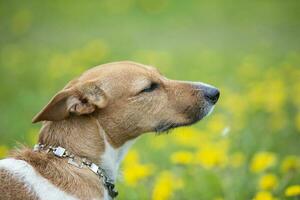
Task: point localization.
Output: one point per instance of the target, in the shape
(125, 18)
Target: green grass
(249, 49)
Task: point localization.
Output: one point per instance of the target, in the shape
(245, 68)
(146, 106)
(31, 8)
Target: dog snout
(210, 93)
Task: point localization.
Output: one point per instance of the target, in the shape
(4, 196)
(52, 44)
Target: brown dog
(89, 125)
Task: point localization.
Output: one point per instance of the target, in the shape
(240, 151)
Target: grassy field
(249, 148)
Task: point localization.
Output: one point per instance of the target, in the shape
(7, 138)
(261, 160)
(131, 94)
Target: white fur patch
(111, 158)
(33, 181)
(210, 110)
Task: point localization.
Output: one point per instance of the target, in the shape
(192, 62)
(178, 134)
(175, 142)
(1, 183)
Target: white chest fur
(112, 158)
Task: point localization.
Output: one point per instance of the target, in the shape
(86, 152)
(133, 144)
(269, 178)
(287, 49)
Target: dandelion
(264, 195)
(165, 185)
(190, 137)
(182, 157)
(269, 94)
(276, 96)
(268, 182)
(212, 155)
(290, 163)
(262, 161)
(133, 170)
(293, 190)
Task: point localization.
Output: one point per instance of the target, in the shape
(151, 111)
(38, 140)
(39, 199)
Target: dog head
(129, 99)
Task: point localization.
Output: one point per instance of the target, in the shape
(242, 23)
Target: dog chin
(210, 110)
(166, 126)
(202, 112)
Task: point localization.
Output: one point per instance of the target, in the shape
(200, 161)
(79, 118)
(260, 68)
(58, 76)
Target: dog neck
(112, 157)
(85, 137)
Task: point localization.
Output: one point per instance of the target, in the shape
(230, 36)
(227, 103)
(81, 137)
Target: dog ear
(80, 100)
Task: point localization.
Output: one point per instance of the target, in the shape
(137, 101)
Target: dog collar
(80, 163)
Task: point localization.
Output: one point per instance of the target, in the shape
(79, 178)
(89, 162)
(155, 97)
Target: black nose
(211, 94)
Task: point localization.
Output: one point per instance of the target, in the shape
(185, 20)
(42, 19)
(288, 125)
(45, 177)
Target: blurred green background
(247, 149)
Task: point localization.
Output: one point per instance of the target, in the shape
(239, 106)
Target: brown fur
(13, 188)
(81, 136)
(107, 102)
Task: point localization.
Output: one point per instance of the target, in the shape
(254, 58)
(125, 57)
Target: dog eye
(150, 88)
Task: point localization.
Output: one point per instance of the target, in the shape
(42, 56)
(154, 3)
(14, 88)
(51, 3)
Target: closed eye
(150, 88)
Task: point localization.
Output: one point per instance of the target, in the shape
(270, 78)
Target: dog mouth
(166, 126)
(193, 117)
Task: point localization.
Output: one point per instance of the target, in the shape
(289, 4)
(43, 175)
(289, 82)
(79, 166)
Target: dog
(89, 125)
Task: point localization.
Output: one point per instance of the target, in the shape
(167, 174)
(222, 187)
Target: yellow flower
(293, 190)
(3, 151)
(190, 137)
(269, 94)
(131, 157)
(262, 161)
(182, 157)
(165, 185)
(237, 159)
(212, 155)
(276, 95)
(133, 170)
(268, 182)
(263, 195)
(290, 163)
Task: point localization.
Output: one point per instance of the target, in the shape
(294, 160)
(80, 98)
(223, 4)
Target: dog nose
(211, 94)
